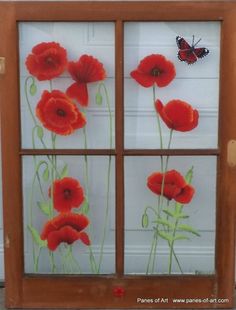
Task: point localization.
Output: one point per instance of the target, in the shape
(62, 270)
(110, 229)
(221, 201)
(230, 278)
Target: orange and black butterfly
(189, 53)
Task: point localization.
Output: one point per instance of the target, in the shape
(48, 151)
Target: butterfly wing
(201, 52)
(182, 44)
(185, 52)
(188, 56)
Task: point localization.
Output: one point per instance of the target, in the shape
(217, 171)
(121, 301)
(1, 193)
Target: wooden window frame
(24, 290)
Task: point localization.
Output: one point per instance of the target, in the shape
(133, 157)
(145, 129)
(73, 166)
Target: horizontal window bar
(172, 152)
(127, 152)
(101, 152)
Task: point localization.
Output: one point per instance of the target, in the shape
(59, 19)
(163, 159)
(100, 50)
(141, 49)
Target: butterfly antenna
(193, 40)
(197, 42)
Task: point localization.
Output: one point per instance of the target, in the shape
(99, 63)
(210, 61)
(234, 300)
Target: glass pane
(68, 227)
(154, 72)
(174, 232)
(67, 84)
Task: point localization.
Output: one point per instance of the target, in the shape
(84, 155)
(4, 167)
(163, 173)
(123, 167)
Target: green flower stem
(32, 115)
(35, 257)
(151, 253)
(165, 169)
(93, 264)
(27, 97)
(158, 125)
(63, 259)
(151, 208)
(73, 260)
(29, 106)
(37, 260)
(108, 176)
(86, 164)
(161, 197)
(172, 247)
(35, 164)
(52, 262)
(31, 219)
(53, 177)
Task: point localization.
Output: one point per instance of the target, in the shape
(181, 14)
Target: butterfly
(189, 53)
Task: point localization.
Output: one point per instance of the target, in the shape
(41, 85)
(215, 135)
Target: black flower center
(67, 193)
(61, 113)
(156, 72)
(50, 61)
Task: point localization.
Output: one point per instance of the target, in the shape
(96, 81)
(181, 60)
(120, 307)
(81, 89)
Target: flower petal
(178, 115)
(79, 92)
(58, 113)
(154, 68)
(47, 61)
(78, 221)
(143, 79)
(185, 195)
(67, 194)
(160, 109)
(65, 234)
(84, 238)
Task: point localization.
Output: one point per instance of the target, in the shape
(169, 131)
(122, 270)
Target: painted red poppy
(58, 113)
(47, 61)
(154, 69)
(118, 291)
(67, 194)
(86, 70)
(66, 227)
(175, 186)
(178, 115)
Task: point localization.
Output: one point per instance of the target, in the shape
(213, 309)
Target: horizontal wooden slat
(95, 152)
(128, 10)
(73, 292)
(173, 152)
(127, 152)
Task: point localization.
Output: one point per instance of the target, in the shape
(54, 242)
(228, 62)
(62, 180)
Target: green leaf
(180, 237)
(98, 98)
(189, 176)
(145, 220)
(40, 132)
(165, 236)
(85, 207)
(182, 216)
(44, 207)
(36, 237)
(168, 212)
(64, 171)
(33, 89)
(164, 222)
(188, 229)
(46, 174)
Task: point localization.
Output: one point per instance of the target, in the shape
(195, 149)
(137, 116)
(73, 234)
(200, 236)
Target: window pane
(184, 215)
(58, 227)
(196, 84)
(88, 82)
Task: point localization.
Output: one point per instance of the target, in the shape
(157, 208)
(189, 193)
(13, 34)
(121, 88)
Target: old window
(118, 161)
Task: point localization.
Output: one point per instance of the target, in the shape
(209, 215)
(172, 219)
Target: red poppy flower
(86, 70)
(66, 227)
(175, 186)
(153, 69)
(47, 61)
(58, 113)
(178, 115)
(67, 194)
(118, 291)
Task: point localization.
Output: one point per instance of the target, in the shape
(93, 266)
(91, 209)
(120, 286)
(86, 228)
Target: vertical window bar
(119, 148)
